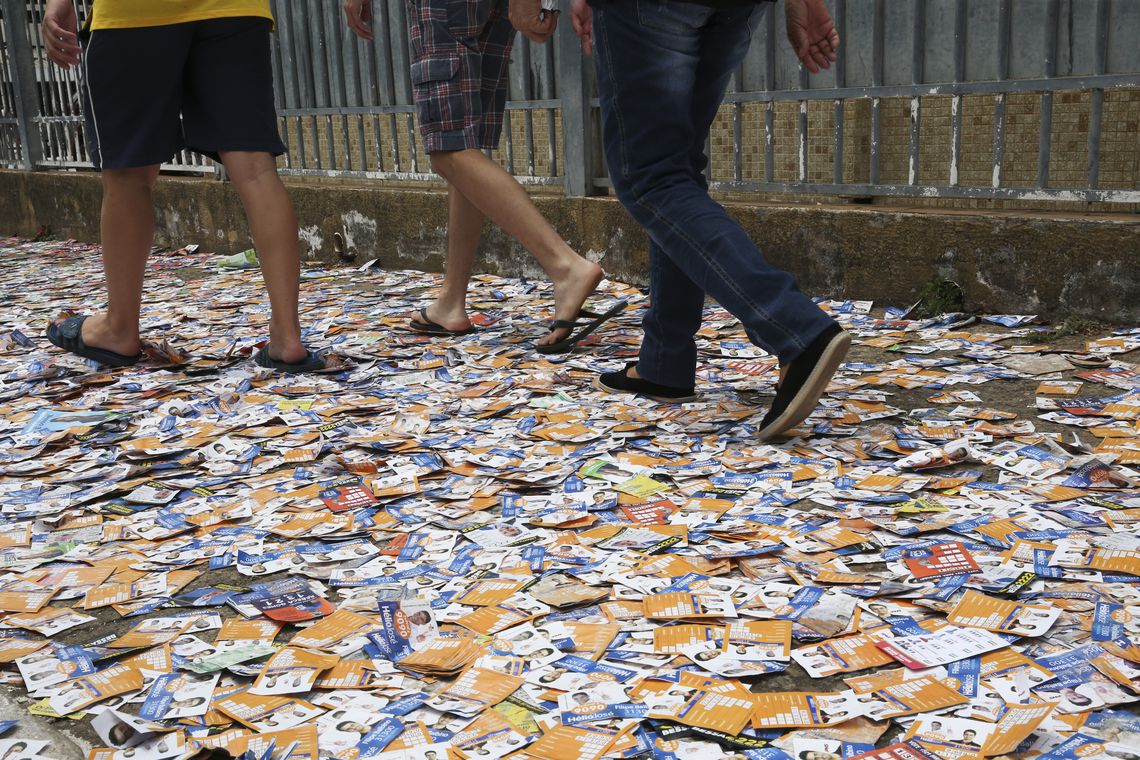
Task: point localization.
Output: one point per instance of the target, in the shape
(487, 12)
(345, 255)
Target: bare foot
(454, 318)
(570, 294)
(98, 334)
(290, 353)
(285, 345)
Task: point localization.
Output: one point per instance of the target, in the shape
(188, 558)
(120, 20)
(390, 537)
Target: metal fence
(998, 99)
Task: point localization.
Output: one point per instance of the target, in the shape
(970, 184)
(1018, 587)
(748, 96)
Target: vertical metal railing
(917, 105)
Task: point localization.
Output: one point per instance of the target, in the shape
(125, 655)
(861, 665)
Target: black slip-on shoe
(807, 379)
(621, 382)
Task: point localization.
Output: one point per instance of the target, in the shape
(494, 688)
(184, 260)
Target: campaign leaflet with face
(405, 626)
(975, 610)
(292, 670)
(938, 732)
(475, 690)
(726, 706)
(177, 695)
(49, 621)
(121, 730)
(82, 692)
(343, 728)
(54, 665)
(490, 736)
(599, 704)
(927, 694)
(714, 658)
(266, 713)
(167, 746)
(573, 672)
(846, 654)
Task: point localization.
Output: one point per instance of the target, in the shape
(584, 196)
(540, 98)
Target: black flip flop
(431, 327)
(311, 363)
(596, 320)
(68, 335)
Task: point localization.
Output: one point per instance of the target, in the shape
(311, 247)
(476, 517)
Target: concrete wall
(1051, 264)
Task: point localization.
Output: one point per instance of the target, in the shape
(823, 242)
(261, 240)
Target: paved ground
(441, 443)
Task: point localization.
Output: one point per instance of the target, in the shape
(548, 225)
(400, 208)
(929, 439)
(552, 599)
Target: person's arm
(529, 17)
(359, 16)
(581, 19)
(61, 33)
(812, 33)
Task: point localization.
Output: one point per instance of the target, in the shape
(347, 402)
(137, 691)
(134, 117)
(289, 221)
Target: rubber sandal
(68, 335)
(596, 320)
(311, 363)
(430, 327)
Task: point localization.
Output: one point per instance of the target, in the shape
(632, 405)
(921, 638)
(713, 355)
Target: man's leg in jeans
(668, 350)
(127, 231)
(273, 226)
(647, 73)
(668, 354)
(499, 196)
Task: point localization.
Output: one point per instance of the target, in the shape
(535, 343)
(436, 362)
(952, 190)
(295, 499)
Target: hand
(581, 16)
(529, 18)
(359, 15)
(812, 33)
(61, 33)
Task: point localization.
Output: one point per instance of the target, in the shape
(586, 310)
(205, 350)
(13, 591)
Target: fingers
(359, 16)
(542, 28)
(580, 21)
(62, 45)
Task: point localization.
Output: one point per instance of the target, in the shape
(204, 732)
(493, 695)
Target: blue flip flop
(311, 363)
(68, 335)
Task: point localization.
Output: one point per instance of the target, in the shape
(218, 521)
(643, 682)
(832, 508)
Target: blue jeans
(663, 68)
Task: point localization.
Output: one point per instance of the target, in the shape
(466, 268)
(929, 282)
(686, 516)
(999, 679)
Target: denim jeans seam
(622, 158)
(711, 263)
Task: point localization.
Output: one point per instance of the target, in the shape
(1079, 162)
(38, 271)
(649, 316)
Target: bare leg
(504, 201)
(464, 227)
(274, 228)
(127, 229)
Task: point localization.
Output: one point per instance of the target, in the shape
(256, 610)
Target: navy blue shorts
(152, 91)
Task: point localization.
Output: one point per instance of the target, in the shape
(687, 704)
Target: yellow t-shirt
(125, 14)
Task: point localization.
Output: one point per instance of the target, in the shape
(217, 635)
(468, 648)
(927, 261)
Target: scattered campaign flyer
(949, 644)
(450, 546)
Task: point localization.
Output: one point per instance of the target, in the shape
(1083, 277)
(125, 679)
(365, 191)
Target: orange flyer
(25, 601)
(237, 629)
(330, 631)
(1015, 727)
(82, 692)
(671, 639)
(486, 593)
(566, 742)
(791, 709)
(729, 712)
(976, 610)
(919, 695)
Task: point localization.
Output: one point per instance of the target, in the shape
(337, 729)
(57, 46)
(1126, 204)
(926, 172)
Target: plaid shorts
(460, 53)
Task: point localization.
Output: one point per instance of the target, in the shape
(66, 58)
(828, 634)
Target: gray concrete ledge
(1056, 265)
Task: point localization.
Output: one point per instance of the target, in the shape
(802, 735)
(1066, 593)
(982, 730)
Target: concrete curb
(1056, 265)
